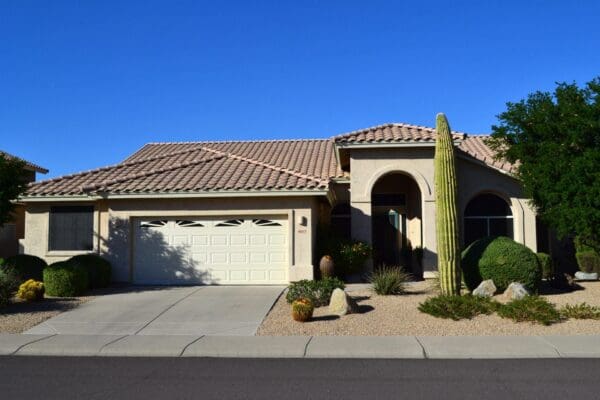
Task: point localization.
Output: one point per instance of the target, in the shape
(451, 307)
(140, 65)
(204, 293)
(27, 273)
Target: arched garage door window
(487, 215)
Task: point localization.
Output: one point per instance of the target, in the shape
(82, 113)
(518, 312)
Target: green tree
(554, 141)
(13, 182)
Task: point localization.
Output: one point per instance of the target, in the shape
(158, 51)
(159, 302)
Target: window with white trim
(487, 215)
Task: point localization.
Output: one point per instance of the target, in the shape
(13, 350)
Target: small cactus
(302, 310)
(31, 290)
(448, 250)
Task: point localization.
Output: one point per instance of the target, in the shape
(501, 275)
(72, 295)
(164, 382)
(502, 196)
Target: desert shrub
(31, 290)
(458, 307)
(98, 269)
(580, 311)
(302, 310)
(9, 282)
(389, 280)
(546, 264)
(352, 256)
(532, 309)
(503, 260)
(318, 292)
(62, 279)
(588, 261)
(26, 266)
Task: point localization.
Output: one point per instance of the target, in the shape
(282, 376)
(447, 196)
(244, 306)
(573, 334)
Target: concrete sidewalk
(387, 347)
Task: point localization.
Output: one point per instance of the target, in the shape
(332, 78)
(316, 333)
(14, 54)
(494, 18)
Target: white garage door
(241, 250)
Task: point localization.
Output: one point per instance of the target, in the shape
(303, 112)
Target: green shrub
(98, 269)
(588, 261)
(503, 260)
(352, 256)
(580, 311)
(318, 292)
(458, 307)
(62, 279)
(26, 267)
(389, 280)
(546, 264)
(530, 308)
(9, 283)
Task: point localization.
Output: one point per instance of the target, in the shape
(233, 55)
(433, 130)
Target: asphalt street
(206, 378)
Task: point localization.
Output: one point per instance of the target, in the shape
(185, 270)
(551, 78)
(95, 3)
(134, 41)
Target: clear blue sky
(85, 83)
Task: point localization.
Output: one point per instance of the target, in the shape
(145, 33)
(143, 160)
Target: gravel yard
(398, 315)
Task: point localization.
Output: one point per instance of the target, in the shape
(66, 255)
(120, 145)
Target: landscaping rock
(586, 276)
(485, 289)
(342, 304)
(515, 291)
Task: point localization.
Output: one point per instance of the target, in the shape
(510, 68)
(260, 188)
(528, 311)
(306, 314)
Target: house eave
(172, 195)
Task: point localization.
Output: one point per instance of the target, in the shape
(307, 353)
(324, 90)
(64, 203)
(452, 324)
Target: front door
(389, 237)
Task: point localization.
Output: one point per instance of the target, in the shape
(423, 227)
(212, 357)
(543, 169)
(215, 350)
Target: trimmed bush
(546, 264)
(26, 266)
(318, 292)
(31, 290)
(9, 282)
(389, 280)
(580, 311)
(503, 260)
(458, 307)
(98, 269)
(62, 279)
(532, 309)
(588, 261)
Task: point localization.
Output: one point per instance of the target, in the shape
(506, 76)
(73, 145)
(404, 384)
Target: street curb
(314, 347)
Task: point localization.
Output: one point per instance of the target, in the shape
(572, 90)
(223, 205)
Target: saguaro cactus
(446, 213)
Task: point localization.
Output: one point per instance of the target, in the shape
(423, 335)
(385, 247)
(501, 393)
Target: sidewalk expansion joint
(422, 348)
(32, 342)
(543, 339)
(189, 344)
(111, 342)
(306, 346)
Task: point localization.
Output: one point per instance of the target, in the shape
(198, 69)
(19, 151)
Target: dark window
(71, 228)
(487, 215)
(340, 220)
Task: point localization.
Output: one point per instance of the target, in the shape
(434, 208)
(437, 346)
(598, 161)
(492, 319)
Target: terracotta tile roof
(207, 166)
(29, 165)
(238, 166)
(390, 133)
(476, 147)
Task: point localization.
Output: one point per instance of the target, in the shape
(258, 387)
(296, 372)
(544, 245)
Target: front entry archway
(396, 221)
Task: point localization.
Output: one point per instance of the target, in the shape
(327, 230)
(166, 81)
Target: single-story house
(248, 212)
(14, 230)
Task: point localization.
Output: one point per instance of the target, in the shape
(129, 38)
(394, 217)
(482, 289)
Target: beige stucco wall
(113, 226)
(367, 166)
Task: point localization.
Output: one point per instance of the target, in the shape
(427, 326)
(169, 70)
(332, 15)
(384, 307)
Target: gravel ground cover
(398, 315)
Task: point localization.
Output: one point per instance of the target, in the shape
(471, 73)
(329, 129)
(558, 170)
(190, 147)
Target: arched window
(487, 215)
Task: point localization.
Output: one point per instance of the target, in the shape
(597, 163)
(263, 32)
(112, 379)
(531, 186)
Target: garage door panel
(211, 250)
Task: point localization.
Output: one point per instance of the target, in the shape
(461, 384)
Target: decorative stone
(586, 276)
(342, 304)
(326, 266)
(485, 289)
(515, 291)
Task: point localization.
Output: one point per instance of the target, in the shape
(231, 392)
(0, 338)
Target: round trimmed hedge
(98, 269)
(62, 279)
(503, 260)
(26, 266)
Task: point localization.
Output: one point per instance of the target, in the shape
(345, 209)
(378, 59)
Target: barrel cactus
(448, 250)
(302, 310)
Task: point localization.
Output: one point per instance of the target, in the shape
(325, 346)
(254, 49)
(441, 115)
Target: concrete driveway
(197, 310)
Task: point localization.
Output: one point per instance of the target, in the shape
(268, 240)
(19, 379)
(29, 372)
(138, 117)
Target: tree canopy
(13, 182)
(554, 141)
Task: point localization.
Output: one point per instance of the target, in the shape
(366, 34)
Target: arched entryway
(396, 220)
(487, 214)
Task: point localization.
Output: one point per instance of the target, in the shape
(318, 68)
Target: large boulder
(485, 289)
(342, 304)
(515, 291)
